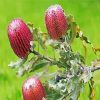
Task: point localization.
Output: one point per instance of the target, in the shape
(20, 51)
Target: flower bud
(32, 89)
(56, 21)
(19, 36)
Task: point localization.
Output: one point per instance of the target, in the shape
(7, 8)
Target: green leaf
(86, 39)
(72, 27)
(18, 63)
(39, 65)
(51, 93)
(38, 38)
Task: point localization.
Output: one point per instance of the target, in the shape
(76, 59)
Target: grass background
(87, 15)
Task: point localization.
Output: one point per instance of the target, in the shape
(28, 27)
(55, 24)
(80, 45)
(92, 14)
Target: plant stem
(42, 56)
(51, 60)
(95, 68)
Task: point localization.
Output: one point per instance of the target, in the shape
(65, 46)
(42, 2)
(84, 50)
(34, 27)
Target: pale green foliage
(69, 80)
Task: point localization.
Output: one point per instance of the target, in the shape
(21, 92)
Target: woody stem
(42, 56)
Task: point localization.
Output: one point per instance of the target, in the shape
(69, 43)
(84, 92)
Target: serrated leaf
(86, 39)
(97, 49)
(86, 75)
(27, 66)
(85, 48)
(96, 62)
(38, 38)
(39, 65)
(52, 94)
(92, 91)
(80, 58)
(74, 31)
(18, 63)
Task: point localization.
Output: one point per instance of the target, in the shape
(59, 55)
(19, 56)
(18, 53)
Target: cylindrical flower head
(56, 21)
(32, 89)
(19, 36)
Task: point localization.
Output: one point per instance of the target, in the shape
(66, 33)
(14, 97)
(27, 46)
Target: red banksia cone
(56, 21)
(33, 90)
(19, 37)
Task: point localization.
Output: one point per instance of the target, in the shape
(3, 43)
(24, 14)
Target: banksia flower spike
(19, 37)
(32, 89)
(56, 21)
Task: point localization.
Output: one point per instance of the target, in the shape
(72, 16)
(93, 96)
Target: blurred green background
(87, 15)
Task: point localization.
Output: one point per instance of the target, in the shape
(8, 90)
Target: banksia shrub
(33, 90)
(56, 21)
(64, 71)
(19, 37)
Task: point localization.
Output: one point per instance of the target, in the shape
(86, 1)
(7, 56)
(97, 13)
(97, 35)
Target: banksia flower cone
(56, 21)
(19, 37)
(32, 89)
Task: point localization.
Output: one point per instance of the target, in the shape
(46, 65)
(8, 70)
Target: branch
(95, 68)
(42, 56)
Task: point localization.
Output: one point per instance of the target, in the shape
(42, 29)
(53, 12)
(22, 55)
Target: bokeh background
(87, 15)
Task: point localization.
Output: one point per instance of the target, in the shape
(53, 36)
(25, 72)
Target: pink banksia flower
(33, 89)
(56, 21)
(19, 36)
